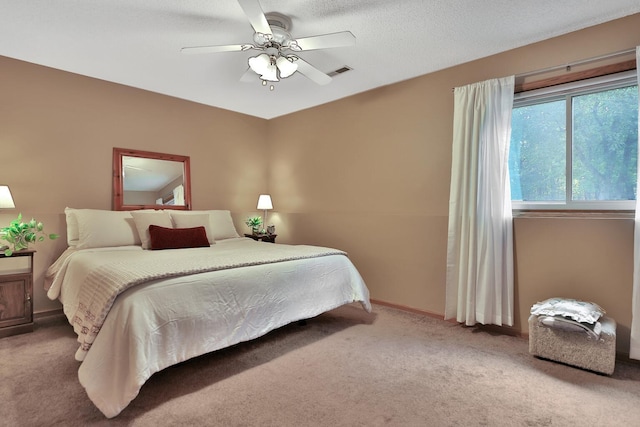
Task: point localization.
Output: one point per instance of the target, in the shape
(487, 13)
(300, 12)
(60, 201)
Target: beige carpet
(344, 368)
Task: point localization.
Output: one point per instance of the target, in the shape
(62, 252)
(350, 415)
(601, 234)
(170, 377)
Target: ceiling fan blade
(256, 16)
(311, 72)
(249, 76)
(341, 39)
(214, 49)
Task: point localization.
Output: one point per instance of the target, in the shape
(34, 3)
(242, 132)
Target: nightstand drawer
(15, 265)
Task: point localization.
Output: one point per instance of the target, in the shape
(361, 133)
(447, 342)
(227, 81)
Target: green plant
(20, 234)
(254, 223)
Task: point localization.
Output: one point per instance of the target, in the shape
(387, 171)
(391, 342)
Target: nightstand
(271, 238)
(16, 289)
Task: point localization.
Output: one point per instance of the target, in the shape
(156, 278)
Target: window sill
(525, 213)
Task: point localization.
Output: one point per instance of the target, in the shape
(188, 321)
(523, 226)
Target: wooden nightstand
(271, 238)
(16, 290)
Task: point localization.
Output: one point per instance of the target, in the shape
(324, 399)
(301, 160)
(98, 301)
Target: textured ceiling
(137, 42)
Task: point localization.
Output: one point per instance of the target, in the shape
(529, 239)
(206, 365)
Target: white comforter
(163, 322)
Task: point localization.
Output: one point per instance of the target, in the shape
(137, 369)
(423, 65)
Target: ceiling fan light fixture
(272, 37)
(286, 66)
(264, 66)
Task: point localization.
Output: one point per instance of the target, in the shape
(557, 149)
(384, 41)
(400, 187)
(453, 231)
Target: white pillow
(190, 220)
(580, 311)
(73, 233)
(143, 219)
(222, 223)
(95, 228)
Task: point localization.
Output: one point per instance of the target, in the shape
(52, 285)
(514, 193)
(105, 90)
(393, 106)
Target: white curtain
(178, 195)
(634, 350)
(480, 245)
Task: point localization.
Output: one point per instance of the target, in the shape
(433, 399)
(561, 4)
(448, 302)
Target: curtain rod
(572, 64)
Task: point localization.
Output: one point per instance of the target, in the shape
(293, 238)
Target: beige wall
(58, 130)
(369, 173)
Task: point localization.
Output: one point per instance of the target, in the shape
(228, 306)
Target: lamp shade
(286, 67)
(264, 202)
(264, 67)
(6, 201)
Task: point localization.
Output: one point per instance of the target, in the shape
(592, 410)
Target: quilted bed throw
(104, 283)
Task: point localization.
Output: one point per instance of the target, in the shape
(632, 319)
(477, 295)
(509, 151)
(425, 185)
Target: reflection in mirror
(143, 179)
(151, 181)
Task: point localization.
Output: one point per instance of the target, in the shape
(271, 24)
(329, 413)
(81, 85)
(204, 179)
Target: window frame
(566, 92)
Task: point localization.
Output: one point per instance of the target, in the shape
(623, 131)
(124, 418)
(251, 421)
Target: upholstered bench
(573, 332)
(575, 348)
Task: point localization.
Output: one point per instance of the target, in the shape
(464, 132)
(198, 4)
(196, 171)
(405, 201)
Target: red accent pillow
(177, 238)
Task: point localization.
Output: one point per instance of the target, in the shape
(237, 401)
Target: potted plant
(254, 223)
(20, 234)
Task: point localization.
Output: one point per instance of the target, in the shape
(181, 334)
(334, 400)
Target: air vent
(340, 71)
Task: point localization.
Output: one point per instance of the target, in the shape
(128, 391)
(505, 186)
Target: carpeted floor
(344, 368)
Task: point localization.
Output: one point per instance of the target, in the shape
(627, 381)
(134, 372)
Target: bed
(137, 310)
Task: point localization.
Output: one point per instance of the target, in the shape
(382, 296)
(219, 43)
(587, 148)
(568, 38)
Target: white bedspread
(163, 322)
(115, 271)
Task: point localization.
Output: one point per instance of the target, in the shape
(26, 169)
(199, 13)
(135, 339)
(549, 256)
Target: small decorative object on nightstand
(263, 237)
(21, 234)
(16, 289)
(255, 224)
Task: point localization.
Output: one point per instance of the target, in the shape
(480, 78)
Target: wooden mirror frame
(118, 179)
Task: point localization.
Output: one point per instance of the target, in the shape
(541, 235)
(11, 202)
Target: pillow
(143, 219)
(222, 223)
(72, 226)
(177, 238)
(95, 228)
(580, 311)
(189, 220)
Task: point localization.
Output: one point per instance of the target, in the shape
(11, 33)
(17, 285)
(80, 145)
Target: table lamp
(6, 201)
(264, 203)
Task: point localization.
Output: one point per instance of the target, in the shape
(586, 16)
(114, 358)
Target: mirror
(148, 180)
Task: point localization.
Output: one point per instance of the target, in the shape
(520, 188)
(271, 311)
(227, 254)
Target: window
(575, 146)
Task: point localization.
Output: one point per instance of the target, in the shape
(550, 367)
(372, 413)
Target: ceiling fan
(273, 39)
